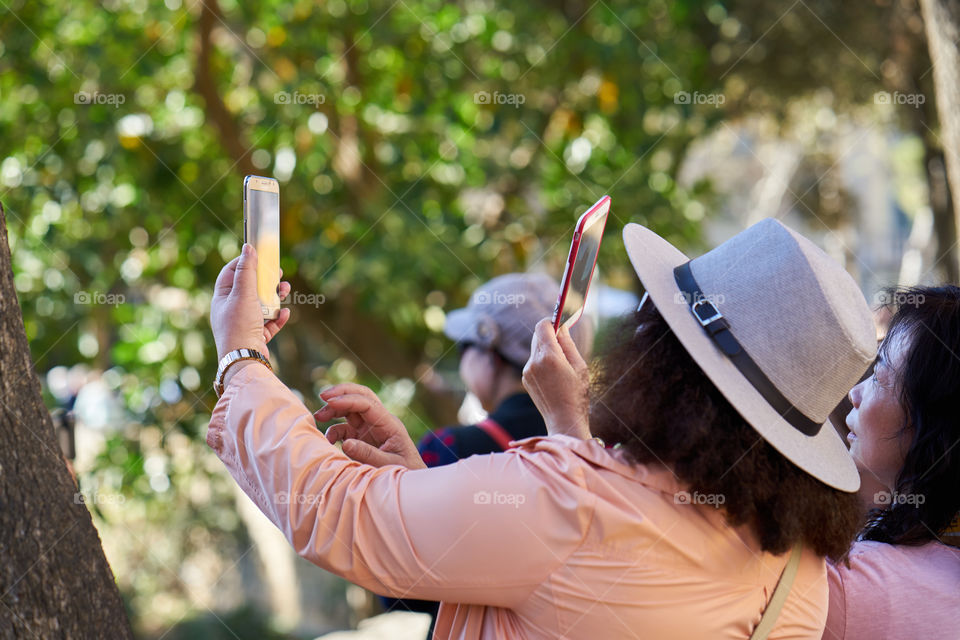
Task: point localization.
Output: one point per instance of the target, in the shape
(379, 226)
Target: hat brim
(823, 456)
(460, 326)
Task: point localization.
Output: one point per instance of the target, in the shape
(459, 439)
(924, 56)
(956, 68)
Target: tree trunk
(54, 579)
(911, 56)
(942, 21)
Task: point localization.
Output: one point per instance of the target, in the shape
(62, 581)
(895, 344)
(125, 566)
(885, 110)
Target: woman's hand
(371, 435)
(557, 379)
(235, 314)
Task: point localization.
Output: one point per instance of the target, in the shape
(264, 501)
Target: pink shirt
(895, 591)
(554, 538)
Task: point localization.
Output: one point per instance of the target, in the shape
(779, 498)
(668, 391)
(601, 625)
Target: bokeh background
(422, 147)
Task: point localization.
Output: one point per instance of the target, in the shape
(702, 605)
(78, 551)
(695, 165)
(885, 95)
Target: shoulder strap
(769, 618)
(496, 432)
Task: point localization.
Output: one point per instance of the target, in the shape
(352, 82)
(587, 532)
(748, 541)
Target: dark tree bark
(54, 579)
(942, 20)
(205, 85)
(911, 55)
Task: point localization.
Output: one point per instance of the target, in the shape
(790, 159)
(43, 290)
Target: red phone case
(572, 258)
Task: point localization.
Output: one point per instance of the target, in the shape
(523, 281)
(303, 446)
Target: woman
(717, 391)
(903, 577)
(493, 333)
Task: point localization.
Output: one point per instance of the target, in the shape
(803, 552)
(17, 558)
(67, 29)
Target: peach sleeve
(486, 530)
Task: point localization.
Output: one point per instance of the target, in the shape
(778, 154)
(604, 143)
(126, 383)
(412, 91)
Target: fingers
(225, 279)
(548, 370)
(272, 327)
(546, 341)
(245, 278)
(348, 388)
(351, 429)
(340, 406)
(570, 350)
(544, 338)
(368, 454)
(339, 431)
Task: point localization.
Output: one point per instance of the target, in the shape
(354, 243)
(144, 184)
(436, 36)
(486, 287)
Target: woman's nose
(855, 394)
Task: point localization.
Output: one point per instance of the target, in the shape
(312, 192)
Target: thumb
(570, 348)
(366, 453)
(245, 280)
(544, 337)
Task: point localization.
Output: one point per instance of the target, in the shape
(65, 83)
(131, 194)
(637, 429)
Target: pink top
(555, 538)
(895, 591)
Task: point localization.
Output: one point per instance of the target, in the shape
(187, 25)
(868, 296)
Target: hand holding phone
(580, 264)
(261, 228)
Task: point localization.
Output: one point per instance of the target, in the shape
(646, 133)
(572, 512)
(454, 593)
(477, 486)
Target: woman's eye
(881, 380)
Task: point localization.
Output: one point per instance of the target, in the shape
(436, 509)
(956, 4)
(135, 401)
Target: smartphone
(580, 264)
(261, 228)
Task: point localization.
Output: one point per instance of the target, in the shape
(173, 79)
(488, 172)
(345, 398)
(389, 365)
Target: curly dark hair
(650, 396)
(929, 384)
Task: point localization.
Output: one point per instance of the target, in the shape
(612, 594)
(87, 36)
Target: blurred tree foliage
(850, 55)
(129, 125)
(422, 147)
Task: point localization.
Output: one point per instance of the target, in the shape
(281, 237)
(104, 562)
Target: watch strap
(232, 358)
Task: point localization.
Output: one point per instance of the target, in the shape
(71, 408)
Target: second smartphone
(261, 228)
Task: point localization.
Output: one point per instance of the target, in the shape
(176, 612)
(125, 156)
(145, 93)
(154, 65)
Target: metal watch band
(232, 358)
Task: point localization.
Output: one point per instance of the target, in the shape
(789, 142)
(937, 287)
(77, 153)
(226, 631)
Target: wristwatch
(233, 357)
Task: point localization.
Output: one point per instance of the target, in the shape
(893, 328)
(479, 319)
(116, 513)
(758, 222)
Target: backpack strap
(780, 593)
(497, 433)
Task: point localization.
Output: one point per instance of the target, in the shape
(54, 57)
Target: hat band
(717, 327)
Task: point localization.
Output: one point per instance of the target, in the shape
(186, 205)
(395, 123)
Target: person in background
(493, 334)
(903, 577)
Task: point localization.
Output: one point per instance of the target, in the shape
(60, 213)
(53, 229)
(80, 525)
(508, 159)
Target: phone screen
(262, 230)
(580, 271)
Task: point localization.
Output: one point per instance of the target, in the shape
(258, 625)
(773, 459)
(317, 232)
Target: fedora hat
(778, 326)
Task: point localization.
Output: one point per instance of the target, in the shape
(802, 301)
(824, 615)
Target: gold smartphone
(261, 228)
